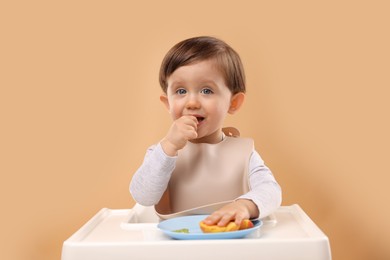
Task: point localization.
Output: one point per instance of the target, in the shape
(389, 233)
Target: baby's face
(199, 89)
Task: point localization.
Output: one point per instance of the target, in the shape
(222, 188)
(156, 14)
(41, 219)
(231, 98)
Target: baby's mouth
(200, 119)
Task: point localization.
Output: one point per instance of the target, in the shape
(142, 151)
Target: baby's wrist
(252, 208)
(168, 148)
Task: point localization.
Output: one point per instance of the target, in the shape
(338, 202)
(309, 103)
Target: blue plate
(192, 224)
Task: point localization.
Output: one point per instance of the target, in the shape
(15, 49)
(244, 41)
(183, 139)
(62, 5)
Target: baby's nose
(192, 102)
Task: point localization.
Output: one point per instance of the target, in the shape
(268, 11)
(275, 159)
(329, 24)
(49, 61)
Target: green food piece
(183, 230)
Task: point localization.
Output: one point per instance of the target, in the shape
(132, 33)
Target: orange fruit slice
(232, 226)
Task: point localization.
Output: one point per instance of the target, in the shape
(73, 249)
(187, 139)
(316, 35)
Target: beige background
(79, 106)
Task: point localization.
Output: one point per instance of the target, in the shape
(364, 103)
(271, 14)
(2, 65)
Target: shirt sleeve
(151, 179)
(265, 192)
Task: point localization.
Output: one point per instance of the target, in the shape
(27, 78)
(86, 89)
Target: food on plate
(183, 230)
(246, 223)
(232, 226)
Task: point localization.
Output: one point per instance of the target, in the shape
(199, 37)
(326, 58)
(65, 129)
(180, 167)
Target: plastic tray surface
(137, 233)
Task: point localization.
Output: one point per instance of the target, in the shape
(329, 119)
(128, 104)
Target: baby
(199, 167)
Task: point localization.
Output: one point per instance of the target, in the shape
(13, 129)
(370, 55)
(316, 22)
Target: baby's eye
(207, 91)
(181, 91)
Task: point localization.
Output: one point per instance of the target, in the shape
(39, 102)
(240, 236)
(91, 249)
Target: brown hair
(203, 48)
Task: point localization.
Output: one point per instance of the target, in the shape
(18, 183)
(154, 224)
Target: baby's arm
(151, 179)
(264, 197)
(265, 192)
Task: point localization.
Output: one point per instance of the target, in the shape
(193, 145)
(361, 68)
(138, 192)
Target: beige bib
(206, 177)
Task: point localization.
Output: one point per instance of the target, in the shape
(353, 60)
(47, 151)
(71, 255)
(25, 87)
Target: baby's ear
(236, 102)
(164, 100)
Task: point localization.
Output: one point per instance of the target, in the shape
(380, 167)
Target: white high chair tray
(133, 234)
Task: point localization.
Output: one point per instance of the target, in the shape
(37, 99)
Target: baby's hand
(181, 130)
(236, 211)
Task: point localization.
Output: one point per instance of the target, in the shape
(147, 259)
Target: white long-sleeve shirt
(151, 180)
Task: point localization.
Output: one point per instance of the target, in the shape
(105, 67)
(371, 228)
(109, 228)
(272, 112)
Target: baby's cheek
(175, 113)
(177, 109)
